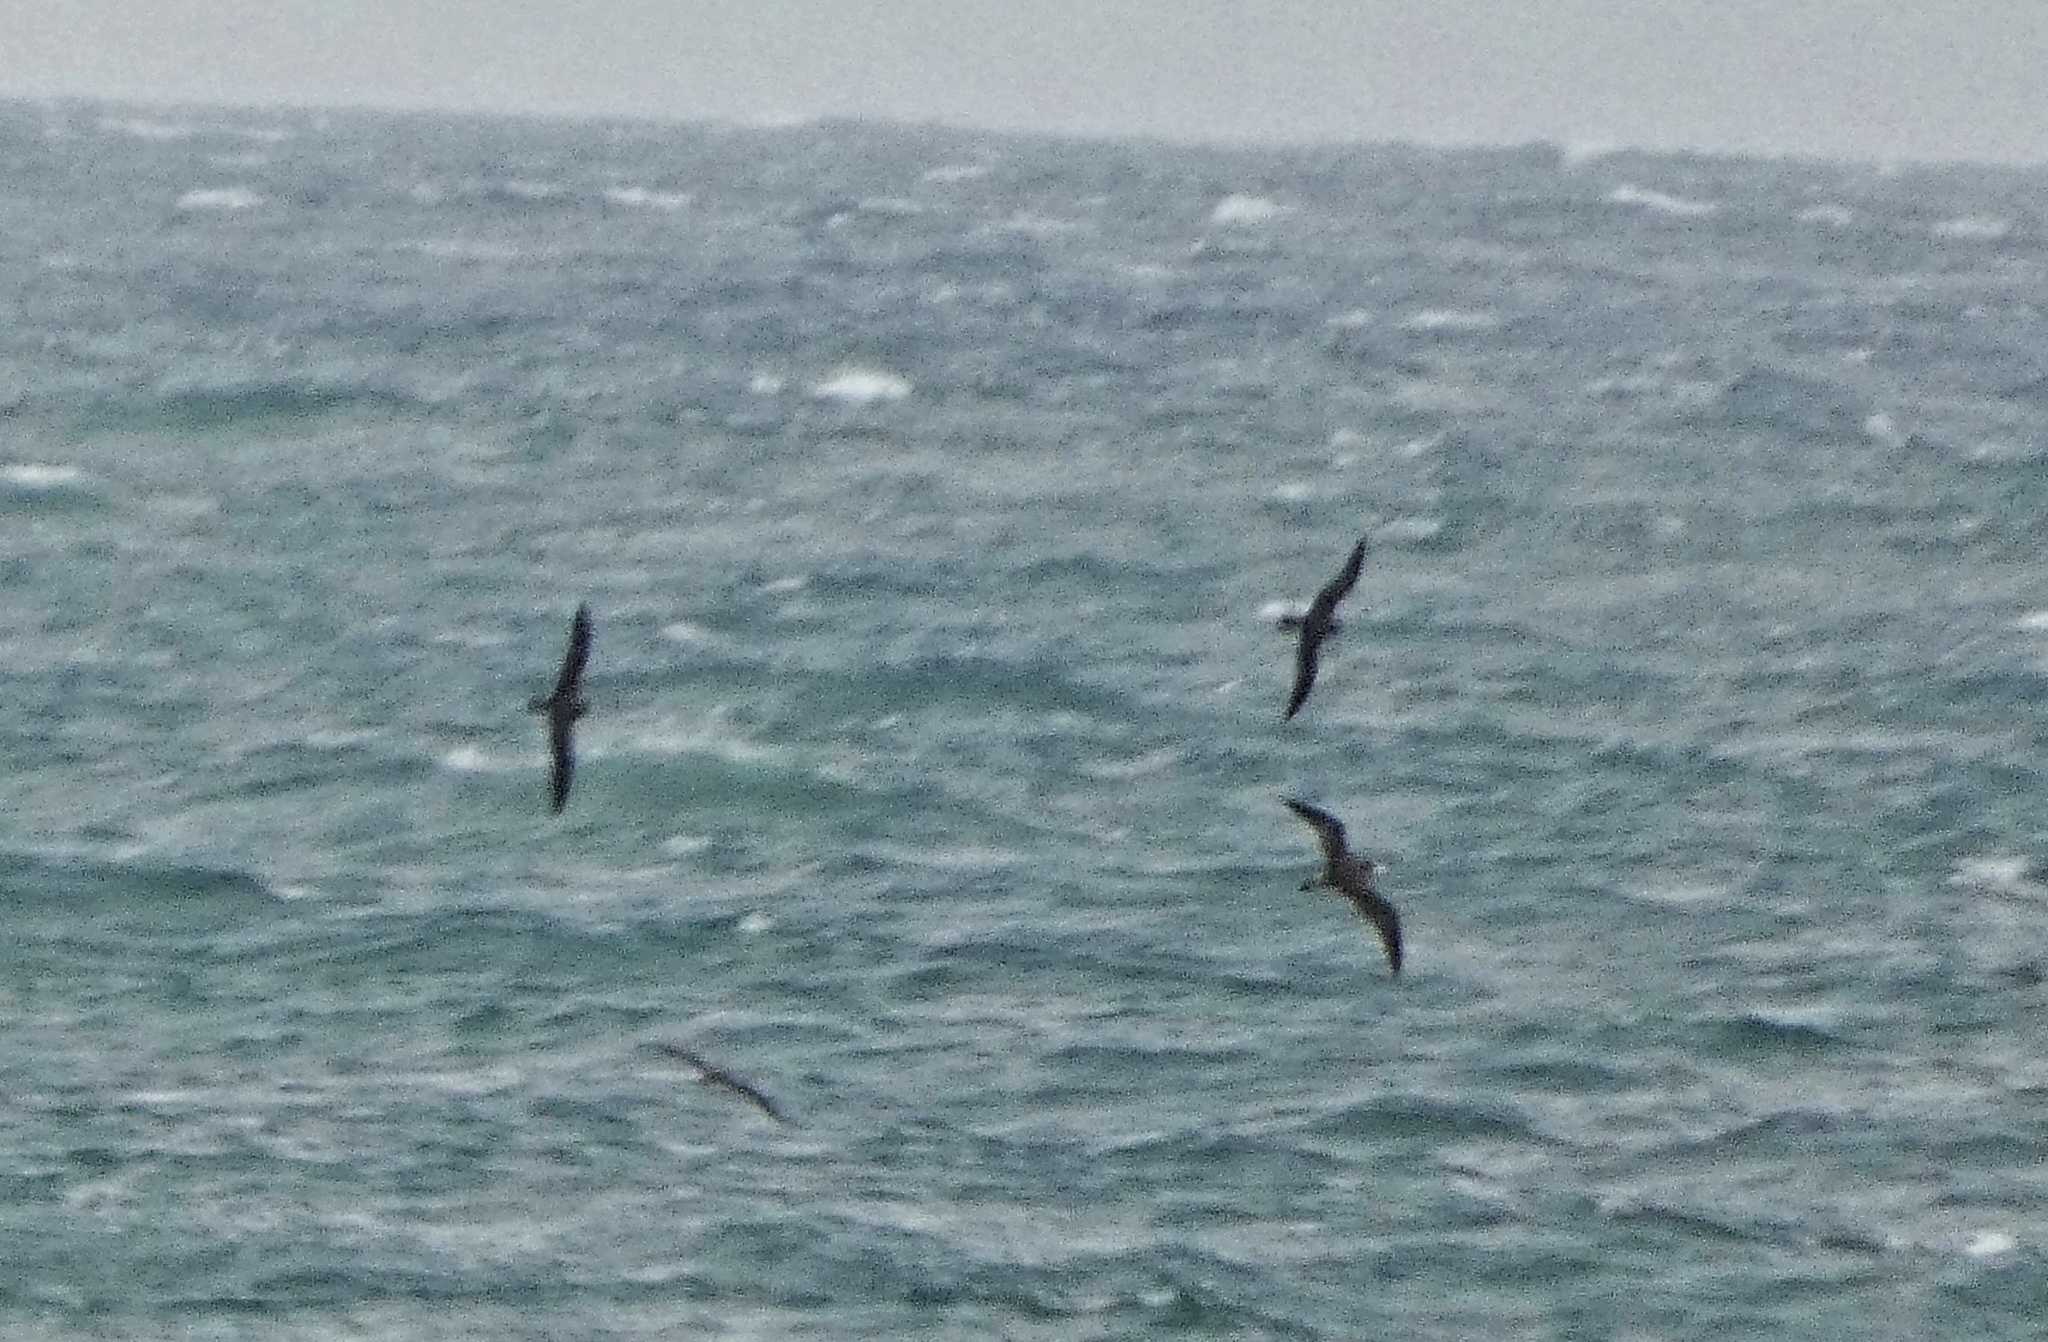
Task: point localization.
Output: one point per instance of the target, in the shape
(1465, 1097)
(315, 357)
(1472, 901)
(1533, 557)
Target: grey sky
(1879, 79)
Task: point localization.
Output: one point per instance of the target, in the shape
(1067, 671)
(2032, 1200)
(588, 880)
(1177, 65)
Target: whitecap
(956, 172)
(524, 188)
(765, 384)
(890, 207)
(223, 198)
(1239, 244)
(1679, 894)
(1411, 530)
(685, 845)
(475, 760)
(2034, 622)
(1999, 450)
(338, 738)
(1351, 319)
(463, 249)
(183, 507)
(1275, 611)
(2005, 873)
(682, 631)
(1450, 319)
(1040, 225)
(1294, 491)
(1989, 1244)
(1238, 208)
(795, 582)
(754, 924)
(473, 638)
(710, 738)
(1578, 153)
(958, 857)
(1881, 428)
(640, 197)
(861, 386)
(1833, 216)
(1973, 228)
(1139, 766)
(141, 129)
(36, 475)
(1659, 202)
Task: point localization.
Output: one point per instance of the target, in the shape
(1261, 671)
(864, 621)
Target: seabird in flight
(713, 1075)
(1317, 624)
(1351, 876)
(566, 705)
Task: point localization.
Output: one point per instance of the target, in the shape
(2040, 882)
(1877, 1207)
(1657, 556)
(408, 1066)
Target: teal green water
(935, 496)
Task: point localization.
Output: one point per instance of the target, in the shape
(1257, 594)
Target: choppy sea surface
(935, 495)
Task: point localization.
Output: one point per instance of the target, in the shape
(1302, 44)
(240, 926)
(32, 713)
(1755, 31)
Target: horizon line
(1584, 149)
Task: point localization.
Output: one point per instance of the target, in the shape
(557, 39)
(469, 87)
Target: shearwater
(1351, 876)
(565, 705)
(1317, 624)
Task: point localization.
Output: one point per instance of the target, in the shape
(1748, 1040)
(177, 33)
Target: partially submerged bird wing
(560, 725)
(1329, 830)
(578, 653)
(713, 1075)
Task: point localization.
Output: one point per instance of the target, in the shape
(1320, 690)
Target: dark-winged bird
(566, 705)
(1351, 876)
(712, 1075)
(1317, 624)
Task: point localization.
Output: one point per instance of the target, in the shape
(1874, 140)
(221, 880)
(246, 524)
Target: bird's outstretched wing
(1336, 589)
(1383, 916)
(560, 725)
(579, 653)
(713, 1075)
(1329, 830)
(1304, 672)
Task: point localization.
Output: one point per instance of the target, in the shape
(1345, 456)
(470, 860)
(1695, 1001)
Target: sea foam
(642, 198)
(36, 476)
(1973, 228)
(861, 386)
(1243, 209)
(223, 198)
(1658, 202)
(1450, 320)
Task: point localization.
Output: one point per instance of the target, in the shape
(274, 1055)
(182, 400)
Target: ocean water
(935, 494)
